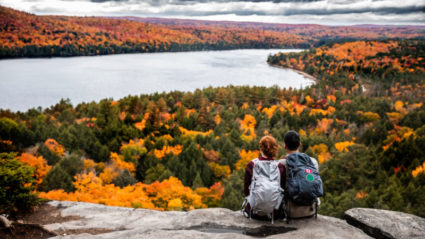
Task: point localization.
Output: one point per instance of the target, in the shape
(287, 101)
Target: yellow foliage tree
(342, 146)
(169, 194)
(370, 116)
(194, 133)
(246, 157)
(322, 152)
(166, 149)
(161, 193)
(219, 171)
(418, 170)
(269, 111)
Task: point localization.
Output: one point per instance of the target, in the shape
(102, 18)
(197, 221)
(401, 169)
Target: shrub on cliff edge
(16, 185)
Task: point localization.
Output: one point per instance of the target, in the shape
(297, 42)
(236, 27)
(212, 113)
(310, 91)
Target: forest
(364, 120)
(27, 35)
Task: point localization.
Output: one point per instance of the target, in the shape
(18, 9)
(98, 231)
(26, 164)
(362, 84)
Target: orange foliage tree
(38, 163)
(211, 196)
(55, 147)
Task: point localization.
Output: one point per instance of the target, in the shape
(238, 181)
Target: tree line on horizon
(363, 120)
(28, 35)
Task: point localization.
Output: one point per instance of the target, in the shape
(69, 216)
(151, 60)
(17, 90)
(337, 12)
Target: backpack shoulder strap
(283, 162)
(255, 163)
(303, 159)
(315, 163)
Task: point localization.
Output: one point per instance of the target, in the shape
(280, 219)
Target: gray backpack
(266, 194)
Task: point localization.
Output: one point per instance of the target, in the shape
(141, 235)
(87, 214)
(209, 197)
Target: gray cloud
(204, 1)
(290, 12)
(299, 7)
(383, 10)
(285, 11)
(108, 1)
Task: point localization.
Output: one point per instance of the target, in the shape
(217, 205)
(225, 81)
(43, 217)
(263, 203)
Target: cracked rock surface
(120, 222)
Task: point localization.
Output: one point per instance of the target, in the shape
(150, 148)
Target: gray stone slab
(386, 224)
(219, 223)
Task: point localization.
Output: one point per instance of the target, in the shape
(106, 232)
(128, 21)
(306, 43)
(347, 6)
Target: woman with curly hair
(268, 151)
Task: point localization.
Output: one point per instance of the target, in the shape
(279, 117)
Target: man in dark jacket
(292, 145)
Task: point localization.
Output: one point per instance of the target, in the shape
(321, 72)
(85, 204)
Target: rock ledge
(202, 223)
(386, 224)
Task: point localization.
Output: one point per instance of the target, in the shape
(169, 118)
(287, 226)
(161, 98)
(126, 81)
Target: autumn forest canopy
(364, 119)
(28, 35)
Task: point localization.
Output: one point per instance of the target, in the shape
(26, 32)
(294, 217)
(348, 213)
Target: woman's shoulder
(251, 163)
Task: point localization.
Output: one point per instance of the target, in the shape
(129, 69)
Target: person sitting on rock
(263, 184)
(301, 198)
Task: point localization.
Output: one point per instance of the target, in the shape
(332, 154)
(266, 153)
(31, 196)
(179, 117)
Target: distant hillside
(29, 35)
(314, 30)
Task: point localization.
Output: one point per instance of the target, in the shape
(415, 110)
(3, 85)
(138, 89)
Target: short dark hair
(292, 140)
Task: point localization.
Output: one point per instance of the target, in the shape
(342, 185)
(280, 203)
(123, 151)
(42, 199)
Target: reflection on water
(27, 83)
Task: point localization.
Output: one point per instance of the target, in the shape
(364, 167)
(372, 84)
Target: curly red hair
(268, 146)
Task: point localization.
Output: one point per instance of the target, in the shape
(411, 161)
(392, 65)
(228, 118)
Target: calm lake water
(28, 83)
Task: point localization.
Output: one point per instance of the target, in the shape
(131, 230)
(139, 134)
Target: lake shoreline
(305, 74)
(30, 83)
(137, 52)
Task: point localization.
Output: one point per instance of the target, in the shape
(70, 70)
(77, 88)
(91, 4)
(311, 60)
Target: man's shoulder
(313, 160)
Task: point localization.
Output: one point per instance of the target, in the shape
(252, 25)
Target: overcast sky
(329, 12)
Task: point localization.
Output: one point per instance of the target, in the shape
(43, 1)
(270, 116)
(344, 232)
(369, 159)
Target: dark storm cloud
(383, 10)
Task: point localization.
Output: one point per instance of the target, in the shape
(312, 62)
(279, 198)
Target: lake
(27, 83)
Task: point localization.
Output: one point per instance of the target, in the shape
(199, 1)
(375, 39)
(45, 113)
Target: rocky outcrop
(4, 223)
(120, 222)
(62, 219)
(386, 224)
